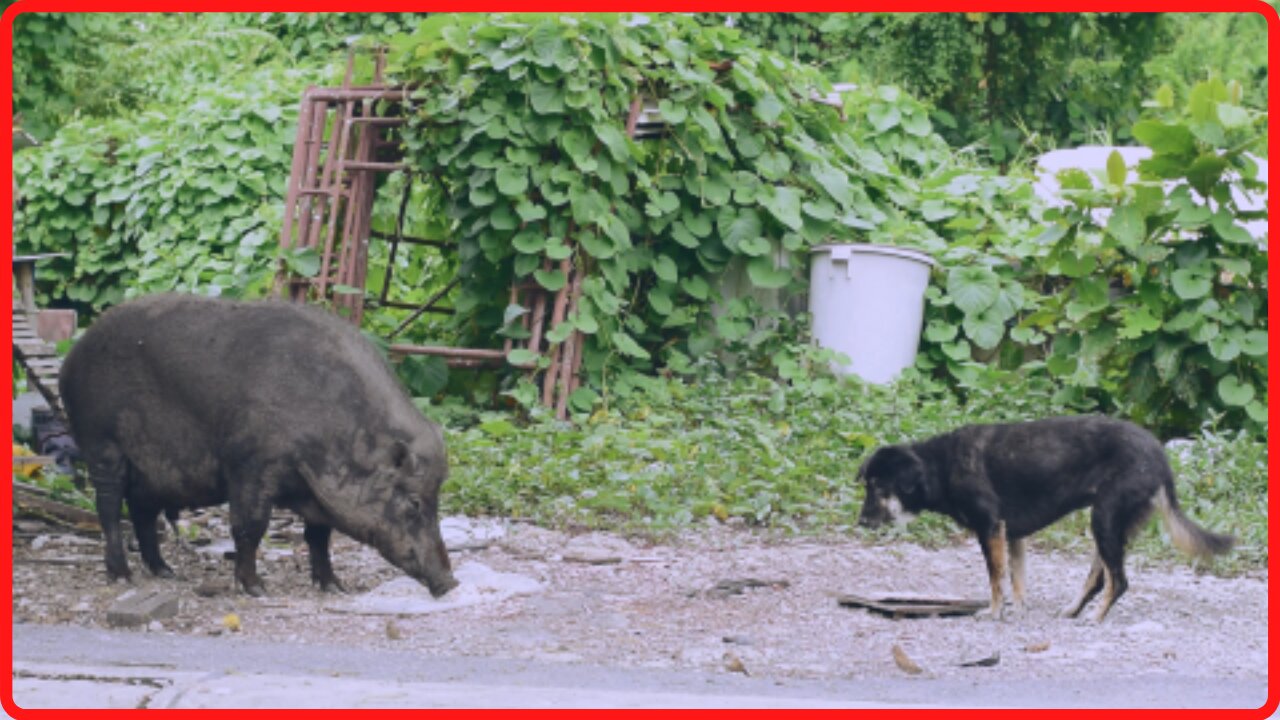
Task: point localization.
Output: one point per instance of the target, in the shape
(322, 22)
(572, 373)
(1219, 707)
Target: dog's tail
(1187, 536)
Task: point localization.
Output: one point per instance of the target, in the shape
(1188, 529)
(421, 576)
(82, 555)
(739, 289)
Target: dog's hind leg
(1018, 572)
(1092, 586)
(1112, 531)
(994, 548)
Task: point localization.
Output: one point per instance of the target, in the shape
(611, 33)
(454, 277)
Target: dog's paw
(990, 614)
(1070, 611)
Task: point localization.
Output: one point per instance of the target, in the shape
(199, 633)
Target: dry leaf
(231, 621)
(733, 663)
(904, 662)
(1037, 647)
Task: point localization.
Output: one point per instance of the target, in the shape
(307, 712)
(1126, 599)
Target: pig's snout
(439, 586)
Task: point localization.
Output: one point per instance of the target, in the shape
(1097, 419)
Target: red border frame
(6, 253)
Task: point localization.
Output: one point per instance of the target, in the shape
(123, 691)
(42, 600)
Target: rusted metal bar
(442, 351)
(359, 215)
(575, 366)
(366, 166)
(425, 306)
(441, 244)
(512, 300)
(398, 305)
(633, 116)
(539, 311)
(332, 174)
(569, 352)
(340, 95)
(379, 120)
(557, 317)
(395, 239)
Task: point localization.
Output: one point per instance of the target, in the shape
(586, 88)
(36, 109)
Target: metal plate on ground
(913, 607)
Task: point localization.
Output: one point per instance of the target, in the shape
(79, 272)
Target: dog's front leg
(1018, 572)
(994, 551)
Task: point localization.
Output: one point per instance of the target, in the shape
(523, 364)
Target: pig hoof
(254, 589)
(329, 585)
(162, 571)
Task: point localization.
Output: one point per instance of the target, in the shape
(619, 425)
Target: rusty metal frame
(345, 140)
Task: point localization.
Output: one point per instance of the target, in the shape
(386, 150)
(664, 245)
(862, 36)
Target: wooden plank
(910, 607)
(30, 502)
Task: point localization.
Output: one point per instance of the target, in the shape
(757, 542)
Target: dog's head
(895, 479)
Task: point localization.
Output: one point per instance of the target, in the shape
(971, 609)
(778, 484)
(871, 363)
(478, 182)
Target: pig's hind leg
(317, 536)
(108, 470)
(144, 518)
(250, 499)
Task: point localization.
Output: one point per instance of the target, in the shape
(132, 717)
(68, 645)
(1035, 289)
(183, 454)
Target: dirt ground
(721, 599)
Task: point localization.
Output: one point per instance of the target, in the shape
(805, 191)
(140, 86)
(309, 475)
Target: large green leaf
(546, 99)
(1128, 226)
(764, 275)
(613, 139)
(1167, 139)
(1190, 284)
(741, 225)
(628, 346)
(529, 241)
(665, 268)
(1233, 392)
(784, 204)
(985, 329)
(552, 280)
(512, 180)
(973, 288)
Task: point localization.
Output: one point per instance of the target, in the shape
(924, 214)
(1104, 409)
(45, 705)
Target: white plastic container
(867, 302)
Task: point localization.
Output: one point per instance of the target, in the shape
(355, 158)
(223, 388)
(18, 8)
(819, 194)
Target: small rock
(737, 639)
(141, 606)
(1037, 647)
(393, 630)
(209, 588)
(155, 626)
(39, 542)
(219, 549)
(596, 549)
(30, 526)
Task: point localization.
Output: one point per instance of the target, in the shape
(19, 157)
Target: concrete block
(140, 606)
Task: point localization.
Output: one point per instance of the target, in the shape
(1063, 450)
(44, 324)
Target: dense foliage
(1004, 80)
(105, 65)
(522, 123)
(181, 197)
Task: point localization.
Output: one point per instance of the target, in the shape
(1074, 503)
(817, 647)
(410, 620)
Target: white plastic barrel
(867, 301)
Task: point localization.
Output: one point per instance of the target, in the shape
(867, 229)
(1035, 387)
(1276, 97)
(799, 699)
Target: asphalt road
(64, 666)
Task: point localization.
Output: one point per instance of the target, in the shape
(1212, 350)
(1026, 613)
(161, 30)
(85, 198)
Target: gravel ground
(606, 600)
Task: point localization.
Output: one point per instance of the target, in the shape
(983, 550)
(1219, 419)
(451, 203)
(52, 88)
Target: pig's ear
(399, 454)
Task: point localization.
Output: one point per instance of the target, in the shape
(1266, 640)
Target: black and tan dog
(1005, 482)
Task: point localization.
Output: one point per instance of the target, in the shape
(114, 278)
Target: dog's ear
(903, 466)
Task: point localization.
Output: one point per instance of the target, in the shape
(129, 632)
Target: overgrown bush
(183, 197)
(1162, 310)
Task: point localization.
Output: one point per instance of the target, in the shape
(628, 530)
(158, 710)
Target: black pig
(183, 402)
